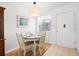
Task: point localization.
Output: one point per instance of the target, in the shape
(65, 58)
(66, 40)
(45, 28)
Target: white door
(65, 29)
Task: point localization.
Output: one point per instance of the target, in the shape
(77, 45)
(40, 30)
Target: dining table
(33, 39)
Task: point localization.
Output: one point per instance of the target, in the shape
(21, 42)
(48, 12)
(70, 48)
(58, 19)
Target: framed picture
(22, 21)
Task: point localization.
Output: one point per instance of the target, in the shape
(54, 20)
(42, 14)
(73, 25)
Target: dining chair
(23, 45)
(41, 41)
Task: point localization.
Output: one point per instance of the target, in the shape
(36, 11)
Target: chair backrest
(42, 38)
(20, 40)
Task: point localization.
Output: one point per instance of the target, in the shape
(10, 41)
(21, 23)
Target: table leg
(34, 48)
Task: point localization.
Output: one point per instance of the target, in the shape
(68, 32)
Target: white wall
(10, 21)
(10, 26)
(13, 9)
(53, 13)
(75, 9)
(77, 29)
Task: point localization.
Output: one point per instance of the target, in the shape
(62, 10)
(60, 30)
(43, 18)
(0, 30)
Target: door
(65, 29)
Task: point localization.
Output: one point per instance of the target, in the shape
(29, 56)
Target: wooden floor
(56, 50)
(29, 53)
(49, 50)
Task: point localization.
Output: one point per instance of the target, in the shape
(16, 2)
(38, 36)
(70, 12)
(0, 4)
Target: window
(44, 23)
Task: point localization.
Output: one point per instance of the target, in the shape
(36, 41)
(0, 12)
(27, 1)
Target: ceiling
(45, 7)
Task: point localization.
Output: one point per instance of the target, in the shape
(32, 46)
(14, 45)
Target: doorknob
(64, 25)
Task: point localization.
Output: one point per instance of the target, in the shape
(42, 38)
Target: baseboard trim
(11, 50)
(50, 42)
(77, 50)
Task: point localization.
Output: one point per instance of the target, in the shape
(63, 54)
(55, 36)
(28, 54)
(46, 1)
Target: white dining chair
(23, 45)
(41, 41)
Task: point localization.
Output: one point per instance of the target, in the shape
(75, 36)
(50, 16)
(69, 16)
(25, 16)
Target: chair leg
(24, 52)
(40, 50)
